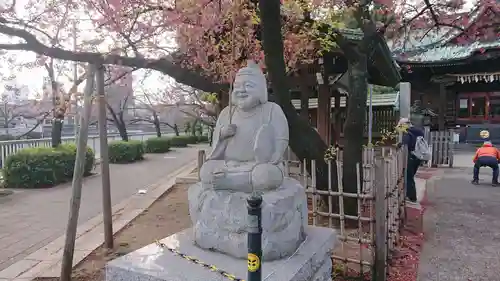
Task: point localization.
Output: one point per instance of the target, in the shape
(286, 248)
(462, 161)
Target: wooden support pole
(69, 245)
(201, 160)
(304, 94)
(381, 176)
(337, 124)
(442, 107)
(324, 106)
(105, 178)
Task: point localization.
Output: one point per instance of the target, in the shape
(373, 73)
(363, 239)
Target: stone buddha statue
(249, 141)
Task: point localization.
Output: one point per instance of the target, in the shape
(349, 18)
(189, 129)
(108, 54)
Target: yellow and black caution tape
(199, 262)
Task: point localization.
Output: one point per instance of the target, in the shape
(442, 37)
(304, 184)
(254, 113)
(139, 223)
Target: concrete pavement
(461, 228)
(29, 219)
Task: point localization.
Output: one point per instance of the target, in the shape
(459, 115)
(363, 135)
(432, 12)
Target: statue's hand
(228, 131)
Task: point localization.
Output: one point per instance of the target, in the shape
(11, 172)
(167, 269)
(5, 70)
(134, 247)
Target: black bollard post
(254, 237)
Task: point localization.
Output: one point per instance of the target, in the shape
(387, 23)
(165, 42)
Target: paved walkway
(29, 219)
(462, 229)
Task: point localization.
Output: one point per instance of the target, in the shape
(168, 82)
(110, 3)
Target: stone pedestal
(311, 261)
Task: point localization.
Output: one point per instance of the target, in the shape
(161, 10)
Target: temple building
(455, 76)
(321, 94)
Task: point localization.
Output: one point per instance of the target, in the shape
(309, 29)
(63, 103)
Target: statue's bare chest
(247, 127)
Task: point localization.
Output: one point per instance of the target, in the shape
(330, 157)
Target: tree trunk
(122, 129)
(210, 135)
(354, 128)
(157, 126)
(304, 140)
(193, 128)
(56, 134)
(176, 129)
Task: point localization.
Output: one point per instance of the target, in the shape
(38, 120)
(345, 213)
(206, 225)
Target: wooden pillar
(337, 125)
(442, 106)
(314, 116)
(304, 101)
(223, 101)
(404, 99)
(324, 103)
(324, 106)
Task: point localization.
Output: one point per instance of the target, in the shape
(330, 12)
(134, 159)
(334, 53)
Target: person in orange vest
(486, 155)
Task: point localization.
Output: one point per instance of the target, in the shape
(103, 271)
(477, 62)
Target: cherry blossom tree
(15, 111)
(19, 107)
(203, 106)
(155, 105)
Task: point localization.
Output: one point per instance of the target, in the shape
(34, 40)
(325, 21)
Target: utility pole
(103, 141)
(69, 245)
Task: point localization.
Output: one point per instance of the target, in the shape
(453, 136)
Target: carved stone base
(311, 262)
(220, 220)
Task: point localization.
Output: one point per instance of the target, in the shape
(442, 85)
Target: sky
(31, 79)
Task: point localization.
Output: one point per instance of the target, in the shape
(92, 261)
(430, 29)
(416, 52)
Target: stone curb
(192, 178)
(46, 262)
(5, 192)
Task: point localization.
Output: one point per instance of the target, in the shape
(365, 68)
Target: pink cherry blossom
(204, 33)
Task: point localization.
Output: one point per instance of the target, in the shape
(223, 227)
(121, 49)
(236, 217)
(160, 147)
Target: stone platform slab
(311, 262)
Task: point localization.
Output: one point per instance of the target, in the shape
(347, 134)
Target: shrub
(6, 137)
(203, 138)
(157, 145)
(191, 139)
(125, 151)
(33, 135)
(44, 166)
(89, 157)
(178, 141)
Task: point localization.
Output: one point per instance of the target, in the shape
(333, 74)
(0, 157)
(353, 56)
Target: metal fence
(8, 148)
(369, 233)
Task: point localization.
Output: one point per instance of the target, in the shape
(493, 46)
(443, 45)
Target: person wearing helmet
(487, 155)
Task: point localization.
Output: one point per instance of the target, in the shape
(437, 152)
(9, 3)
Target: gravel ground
(168, 215)
(462, 229)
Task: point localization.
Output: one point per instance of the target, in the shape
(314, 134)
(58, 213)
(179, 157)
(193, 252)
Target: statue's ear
(264, 144)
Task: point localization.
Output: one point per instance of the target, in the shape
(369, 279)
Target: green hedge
(178, 141)
(203, 138)
(157, 145)
(43, 166)
(125, 151)
(190, 139)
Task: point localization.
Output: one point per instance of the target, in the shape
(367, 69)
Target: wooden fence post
(201, 160)
(380, 269)
(451, 148)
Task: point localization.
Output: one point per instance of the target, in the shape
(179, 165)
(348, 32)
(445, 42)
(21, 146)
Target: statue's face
(246, 92)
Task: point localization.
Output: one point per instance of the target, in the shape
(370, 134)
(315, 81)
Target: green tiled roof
(449, 52)
(435, 46)
(389, 99)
